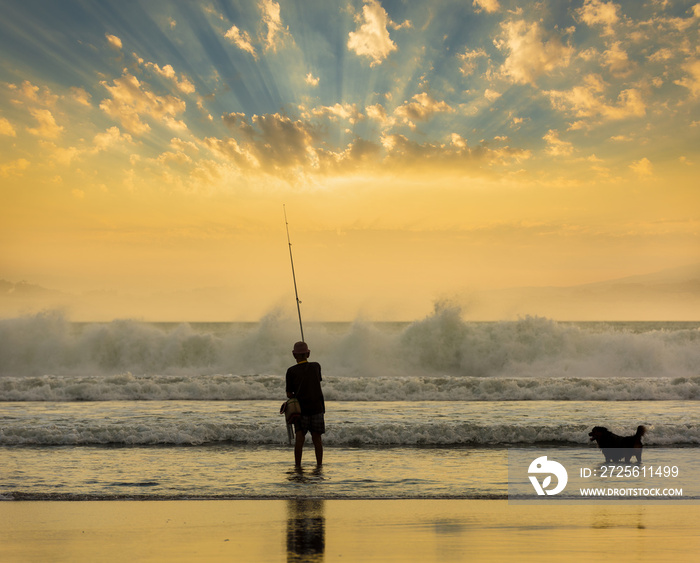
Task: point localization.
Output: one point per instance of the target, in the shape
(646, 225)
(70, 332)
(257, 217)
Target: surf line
(294, 278)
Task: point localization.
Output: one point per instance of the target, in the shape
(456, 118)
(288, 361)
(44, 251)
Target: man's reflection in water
(306, 530)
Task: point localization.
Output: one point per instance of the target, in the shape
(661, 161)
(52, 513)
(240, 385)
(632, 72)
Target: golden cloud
(588, 101)
(595, 12)
(422, 108)
(371, 39)
(241, 39)
(131, 99)
(6, 128)
(530, 55)
(46, 124)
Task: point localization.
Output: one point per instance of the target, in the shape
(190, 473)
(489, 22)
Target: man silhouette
(303, 382)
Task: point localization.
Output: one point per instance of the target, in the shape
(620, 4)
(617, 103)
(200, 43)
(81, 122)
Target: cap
(300, 348)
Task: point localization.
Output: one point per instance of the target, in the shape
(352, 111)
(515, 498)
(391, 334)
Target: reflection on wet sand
(361, 531)
(306, 530)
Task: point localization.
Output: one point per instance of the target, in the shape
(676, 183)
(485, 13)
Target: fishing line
(294, 278)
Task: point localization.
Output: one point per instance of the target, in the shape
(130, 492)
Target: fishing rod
(291, 259)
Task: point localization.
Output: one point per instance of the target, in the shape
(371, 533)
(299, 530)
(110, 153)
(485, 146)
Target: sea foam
(441, 345)
(188, 429)
(129, 387)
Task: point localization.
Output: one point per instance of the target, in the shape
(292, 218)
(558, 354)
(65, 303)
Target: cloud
(491, 95)
(81, 96)
(14, 168)
(312, 80)
(183, 84)
(555, 146)
(130, 100)
(642, 168)
(288, 148)
(458, 141)
(276, 32)
(270, 140)
(692, 80)
(362, 150)
(406, 153)
(168, 158)
(372, 36)
(595, 12)
(342, 111)
(114, 41)
(46, 124)
(489, 6)
(662, 55)
(111, 137)
(231, 150)
(529, 54)
(28, 92)
(469, 60)
(616, 60)
(183, 146)
(242, 40)
(6, 128)
(588, 101)
(422, 108)
(377, 113)
(272, 34)
(630, 104)
(60, 154)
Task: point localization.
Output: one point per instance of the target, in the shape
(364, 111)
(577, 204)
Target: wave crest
(440, 345)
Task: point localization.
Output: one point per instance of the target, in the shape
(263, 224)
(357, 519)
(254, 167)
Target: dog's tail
(641, 430)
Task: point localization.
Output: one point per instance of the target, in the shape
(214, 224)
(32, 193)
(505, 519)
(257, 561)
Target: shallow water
(204, 449)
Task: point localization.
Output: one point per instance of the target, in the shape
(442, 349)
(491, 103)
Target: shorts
(314, 423)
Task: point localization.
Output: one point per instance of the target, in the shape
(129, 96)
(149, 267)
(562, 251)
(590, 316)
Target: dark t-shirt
(304, 381)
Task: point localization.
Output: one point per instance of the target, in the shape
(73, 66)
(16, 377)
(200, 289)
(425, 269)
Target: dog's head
(598, 432)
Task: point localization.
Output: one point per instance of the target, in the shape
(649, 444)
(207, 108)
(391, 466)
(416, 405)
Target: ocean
(431, 409)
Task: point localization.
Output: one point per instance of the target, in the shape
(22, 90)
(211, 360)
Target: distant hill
(667, 295)
(24, 289)
(671, 276)
(22, 297)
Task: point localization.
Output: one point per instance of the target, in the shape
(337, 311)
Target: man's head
(301, 351)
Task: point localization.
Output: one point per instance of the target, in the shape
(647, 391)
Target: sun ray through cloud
(375, 115)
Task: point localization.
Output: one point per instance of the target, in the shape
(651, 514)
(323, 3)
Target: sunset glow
(423, 150)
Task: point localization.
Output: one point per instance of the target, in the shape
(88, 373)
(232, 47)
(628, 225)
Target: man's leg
(318, 446)
(299, 447)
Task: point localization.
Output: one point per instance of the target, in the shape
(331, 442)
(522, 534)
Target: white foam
(374, 433)
(430, 423)
(128, 387)
(442, 345)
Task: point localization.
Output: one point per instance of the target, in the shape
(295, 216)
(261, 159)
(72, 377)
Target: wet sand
(344, 530)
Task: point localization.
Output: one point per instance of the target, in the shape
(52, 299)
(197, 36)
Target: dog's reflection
(306, 534)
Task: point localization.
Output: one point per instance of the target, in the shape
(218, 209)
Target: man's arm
(288, 386)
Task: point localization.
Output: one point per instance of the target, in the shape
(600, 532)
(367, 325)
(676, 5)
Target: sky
(421, 150)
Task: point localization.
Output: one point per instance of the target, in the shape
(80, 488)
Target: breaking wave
(46, 357)
(128, 387)
(375, 433)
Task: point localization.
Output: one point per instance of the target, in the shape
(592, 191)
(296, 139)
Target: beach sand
(344, 530)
